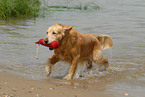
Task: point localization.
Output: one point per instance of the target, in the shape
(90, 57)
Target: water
(123, 20)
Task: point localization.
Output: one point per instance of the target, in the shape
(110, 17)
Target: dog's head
(56, 33)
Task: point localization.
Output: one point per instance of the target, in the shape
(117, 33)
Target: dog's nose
(46, 41)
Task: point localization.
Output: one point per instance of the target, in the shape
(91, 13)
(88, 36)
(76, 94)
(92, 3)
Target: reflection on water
(123, 20)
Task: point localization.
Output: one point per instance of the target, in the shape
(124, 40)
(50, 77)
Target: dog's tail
(105, 41)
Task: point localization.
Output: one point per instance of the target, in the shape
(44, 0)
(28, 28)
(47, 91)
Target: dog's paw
(103, 68)
(68, 77)
(48, 74)
(48, 70)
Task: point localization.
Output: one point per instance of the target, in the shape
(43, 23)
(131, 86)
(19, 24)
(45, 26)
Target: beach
(12, 85)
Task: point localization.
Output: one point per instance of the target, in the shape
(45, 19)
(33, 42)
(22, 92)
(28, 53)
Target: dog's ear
(105, 40)
(66, 30)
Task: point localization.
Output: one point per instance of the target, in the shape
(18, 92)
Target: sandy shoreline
(15, 86)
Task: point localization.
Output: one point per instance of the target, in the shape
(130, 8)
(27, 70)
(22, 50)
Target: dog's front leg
(72, 68)
(50, 61)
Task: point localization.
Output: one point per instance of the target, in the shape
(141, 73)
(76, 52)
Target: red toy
(51, 46)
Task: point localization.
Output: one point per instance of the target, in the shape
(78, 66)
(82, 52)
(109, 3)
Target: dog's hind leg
(98, 57)
(50, 62)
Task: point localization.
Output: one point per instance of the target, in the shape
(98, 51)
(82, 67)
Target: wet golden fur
(75, 47)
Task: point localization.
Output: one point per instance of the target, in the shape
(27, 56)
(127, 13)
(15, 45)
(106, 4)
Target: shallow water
(123, 20)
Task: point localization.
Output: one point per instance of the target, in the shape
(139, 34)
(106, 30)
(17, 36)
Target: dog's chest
(64, 54)
(61, 57)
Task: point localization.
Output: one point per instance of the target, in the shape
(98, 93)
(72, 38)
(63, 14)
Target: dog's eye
(46, 32)
(53, 33)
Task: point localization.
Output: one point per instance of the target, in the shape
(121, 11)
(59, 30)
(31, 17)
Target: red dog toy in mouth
(51, 46)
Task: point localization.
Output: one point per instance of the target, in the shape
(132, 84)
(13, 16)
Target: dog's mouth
(52, 45)
(50, 48)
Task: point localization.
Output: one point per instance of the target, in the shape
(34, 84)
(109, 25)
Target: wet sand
(18, 86)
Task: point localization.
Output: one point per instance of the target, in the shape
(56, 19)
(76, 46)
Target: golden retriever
(76, 47)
